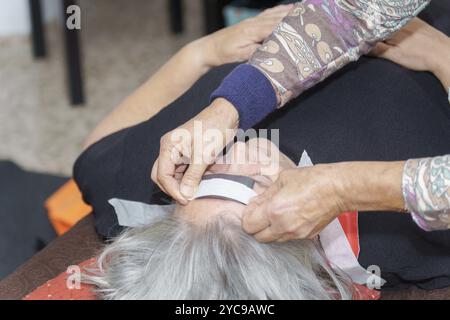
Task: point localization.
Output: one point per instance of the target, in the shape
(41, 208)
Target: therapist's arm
(303, 201)
(316, 39)
(418, 186)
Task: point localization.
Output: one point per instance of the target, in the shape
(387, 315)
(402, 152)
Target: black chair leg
(37, 29)
(73, 59)
(176, 15)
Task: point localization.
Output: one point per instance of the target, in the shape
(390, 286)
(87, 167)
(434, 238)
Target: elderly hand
(237, 43)
(305, 200)
(186, 152)
(420, 47)
(298, 205)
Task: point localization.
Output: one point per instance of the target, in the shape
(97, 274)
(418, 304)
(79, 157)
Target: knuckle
(290, 229)
(190, 179)
(274, 212)
(164, 139)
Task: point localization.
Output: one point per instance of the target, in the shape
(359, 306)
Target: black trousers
(370, 110)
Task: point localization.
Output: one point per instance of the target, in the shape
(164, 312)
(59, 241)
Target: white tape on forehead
(225, 189)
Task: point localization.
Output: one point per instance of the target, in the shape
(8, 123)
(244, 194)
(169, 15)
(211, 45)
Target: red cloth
(349, 223)
(58, 288)
(364, 293)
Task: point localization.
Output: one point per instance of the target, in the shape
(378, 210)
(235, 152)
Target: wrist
(440, 62)
(250, 92)
(197, 54)
(370, 186)
(226, 111)
(207, 50)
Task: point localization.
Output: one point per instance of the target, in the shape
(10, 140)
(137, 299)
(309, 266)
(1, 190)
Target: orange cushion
(66, 207)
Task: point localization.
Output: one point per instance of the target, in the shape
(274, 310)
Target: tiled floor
(124, 42)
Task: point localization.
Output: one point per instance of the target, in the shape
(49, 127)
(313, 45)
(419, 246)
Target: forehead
(200, 210)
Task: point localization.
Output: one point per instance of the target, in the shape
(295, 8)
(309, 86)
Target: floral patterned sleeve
(319, 37)
(426, 190)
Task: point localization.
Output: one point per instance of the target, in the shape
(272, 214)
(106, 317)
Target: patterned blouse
(317, 38)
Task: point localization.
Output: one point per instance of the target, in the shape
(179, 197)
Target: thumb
(256, 215)
(191, 180)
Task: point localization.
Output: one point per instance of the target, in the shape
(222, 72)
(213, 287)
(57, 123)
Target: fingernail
(187, 192)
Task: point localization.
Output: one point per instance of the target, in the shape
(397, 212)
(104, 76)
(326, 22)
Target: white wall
(15, 15)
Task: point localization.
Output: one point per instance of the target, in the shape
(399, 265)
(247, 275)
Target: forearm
(418, 186)
(370, 186)
(165, 86)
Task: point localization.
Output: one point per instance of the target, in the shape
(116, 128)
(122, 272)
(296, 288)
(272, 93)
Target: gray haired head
(177, 259)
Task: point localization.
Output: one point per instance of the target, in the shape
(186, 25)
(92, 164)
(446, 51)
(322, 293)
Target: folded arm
(157, 92)
(419, 47)
(314, 40)
(233, 44)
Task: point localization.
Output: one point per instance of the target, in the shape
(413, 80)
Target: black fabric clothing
(371, 110)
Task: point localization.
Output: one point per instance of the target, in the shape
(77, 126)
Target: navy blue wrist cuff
(250, 92)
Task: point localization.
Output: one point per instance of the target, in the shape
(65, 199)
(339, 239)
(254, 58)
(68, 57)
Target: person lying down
(200, 251)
